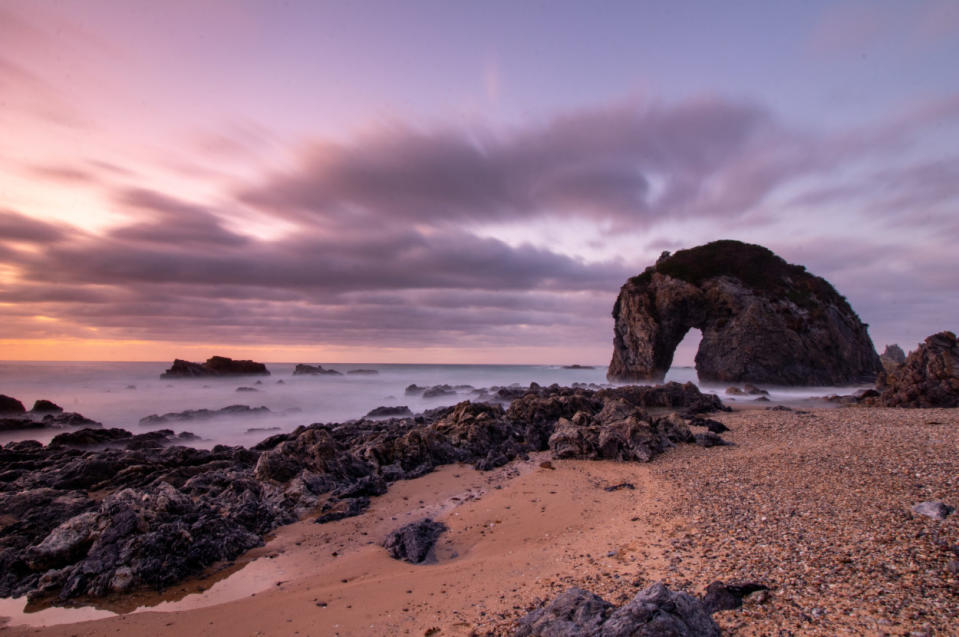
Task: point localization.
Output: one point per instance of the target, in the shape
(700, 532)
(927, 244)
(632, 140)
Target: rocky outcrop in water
(215, 366)
(763, 321)
(44, 415)
(302, 369)
(80, 519)
(929, 377)
(188, 415)
(654, 612)
(11, 406)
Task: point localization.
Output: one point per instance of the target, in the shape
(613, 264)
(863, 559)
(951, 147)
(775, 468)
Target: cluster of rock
(135, 514)
(44, 415)
(928, 377)
(131, 512)
(215, 366)
(763, 320)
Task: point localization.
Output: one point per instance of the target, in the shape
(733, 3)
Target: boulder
(763, 320)
(414, 542)
(215, 366)
(46, 407)
(928, 378)
(654, 612)
(9, 405)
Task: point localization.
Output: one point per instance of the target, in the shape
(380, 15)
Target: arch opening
(683, 367)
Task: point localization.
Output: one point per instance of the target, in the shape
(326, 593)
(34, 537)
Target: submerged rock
(231, 411)
(215, 366)
(303, 369)
(414, 542)
(388, 412)
(929, 377)
(763, 321)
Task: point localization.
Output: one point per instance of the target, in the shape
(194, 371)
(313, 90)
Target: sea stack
(763, 320)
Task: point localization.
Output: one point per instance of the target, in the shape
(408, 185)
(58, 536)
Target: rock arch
(763, 321)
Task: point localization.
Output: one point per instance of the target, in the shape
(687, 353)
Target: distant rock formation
(929, 377)
(892, 358)
(763, 321)
(215, 366)
(363, 372)
(231, 411)
(314, 370)
(10, 405)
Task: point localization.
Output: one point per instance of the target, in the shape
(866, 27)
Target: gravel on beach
(817, 505)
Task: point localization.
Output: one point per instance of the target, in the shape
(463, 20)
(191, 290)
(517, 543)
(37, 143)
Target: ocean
(119, 394)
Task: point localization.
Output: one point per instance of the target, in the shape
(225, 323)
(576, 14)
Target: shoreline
(766, 509)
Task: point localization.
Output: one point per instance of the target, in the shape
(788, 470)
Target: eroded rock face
(215, 366)
(928, 378)
(763, 321)
(892, 358)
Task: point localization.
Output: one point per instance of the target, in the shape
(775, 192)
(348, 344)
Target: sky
(451, 182)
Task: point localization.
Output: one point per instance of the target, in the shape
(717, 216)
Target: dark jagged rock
(414, 542)
(673, 395)
(231, 411)
(16, 424)
(928, 378)
(9, 405)
(762, 319)
(439, 391)
(90, 437)
(388, 412)
(142, 511)
(720, 596)
(215, 366)
(46, 420)
(655, 612)
(363, 372)
(46, 407)
(892, 358)
(314, 370)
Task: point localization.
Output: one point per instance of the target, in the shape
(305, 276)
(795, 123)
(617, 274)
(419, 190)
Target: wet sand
(815, 505)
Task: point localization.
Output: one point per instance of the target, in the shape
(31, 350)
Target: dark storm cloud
(623, 162)
(17, 227)
(172, 222)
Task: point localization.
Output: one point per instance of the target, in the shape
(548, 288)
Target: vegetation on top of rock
(756, 266)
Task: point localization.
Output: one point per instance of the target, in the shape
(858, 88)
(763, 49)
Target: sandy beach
(814, 504)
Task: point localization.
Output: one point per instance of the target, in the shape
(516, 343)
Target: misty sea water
(119, 394)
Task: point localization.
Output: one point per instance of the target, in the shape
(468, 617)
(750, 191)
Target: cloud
(597, 163)
(17, 227)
